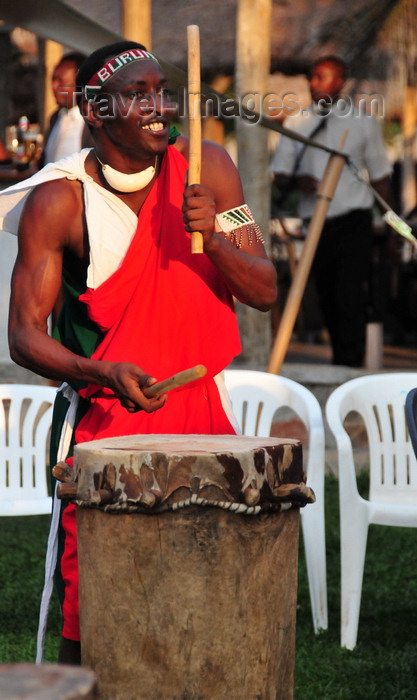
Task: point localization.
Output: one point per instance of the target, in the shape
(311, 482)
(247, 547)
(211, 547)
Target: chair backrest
(256, 397)
(25, 420)
(380, 400)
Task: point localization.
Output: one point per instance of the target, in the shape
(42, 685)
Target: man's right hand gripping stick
(187, 375)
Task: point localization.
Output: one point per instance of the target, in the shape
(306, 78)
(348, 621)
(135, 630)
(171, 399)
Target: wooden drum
(187, 550)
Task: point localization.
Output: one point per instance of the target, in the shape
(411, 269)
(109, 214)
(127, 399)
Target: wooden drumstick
(194, 120)
(187, 375)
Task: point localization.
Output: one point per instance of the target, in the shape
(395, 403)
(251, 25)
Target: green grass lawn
(382, 667)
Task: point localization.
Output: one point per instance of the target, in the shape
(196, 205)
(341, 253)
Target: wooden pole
(213, 127)
(374, 346)
(137, 21)
(408, 178)
(292, 264)
(324, 197)
(194, 117)
(253, 61)
(53, 54)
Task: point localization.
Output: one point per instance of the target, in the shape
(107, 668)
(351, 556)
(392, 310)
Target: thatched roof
(301, 30)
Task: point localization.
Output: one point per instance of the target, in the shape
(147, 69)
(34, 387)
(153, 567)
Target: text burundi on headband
(112, 66)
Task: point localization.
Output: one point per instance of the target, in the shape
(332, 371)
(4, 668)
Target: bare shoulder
(220, 175)
(213, 155)
(56, 195)
(54, 210)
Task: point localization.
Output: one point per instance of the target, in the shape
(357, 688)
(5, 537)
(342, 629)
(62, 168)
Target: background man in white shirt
(67, 126)
(342, 262)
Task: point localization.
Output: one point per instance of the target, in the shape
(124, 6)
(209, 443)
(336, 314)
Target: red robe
(165, 309)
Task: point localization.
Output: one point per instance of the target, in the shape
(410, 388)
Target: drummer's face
(142, 110)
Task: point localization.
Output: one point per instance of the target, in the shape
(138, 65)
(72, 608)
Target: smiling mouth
(154, 126)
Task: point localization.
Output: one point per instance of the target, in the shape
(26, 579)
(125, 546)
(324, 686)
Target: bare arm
(248, 271)
(51, 222)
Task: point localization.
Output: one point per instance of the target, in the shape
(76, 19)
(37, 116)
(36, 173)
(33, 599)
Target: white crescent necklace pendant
(127, 182)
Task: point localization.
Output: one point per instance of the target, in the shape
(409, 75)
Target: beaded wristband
(235, 222)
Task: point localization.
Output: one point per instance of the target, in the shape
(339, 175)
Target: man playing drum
(112, 226)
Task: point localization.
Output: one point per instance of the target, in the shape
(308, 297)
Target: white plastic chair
(256, 397)
(25, 420)
(379, 399)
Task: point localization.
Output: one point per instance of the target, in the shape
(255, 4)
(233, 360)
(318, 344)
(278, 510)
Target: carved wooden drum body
(188, 565)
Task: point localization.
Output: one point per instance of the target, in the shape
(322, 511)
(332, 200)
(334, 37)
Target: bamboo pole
(292, 264)
(324, 197)
(194, 119)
